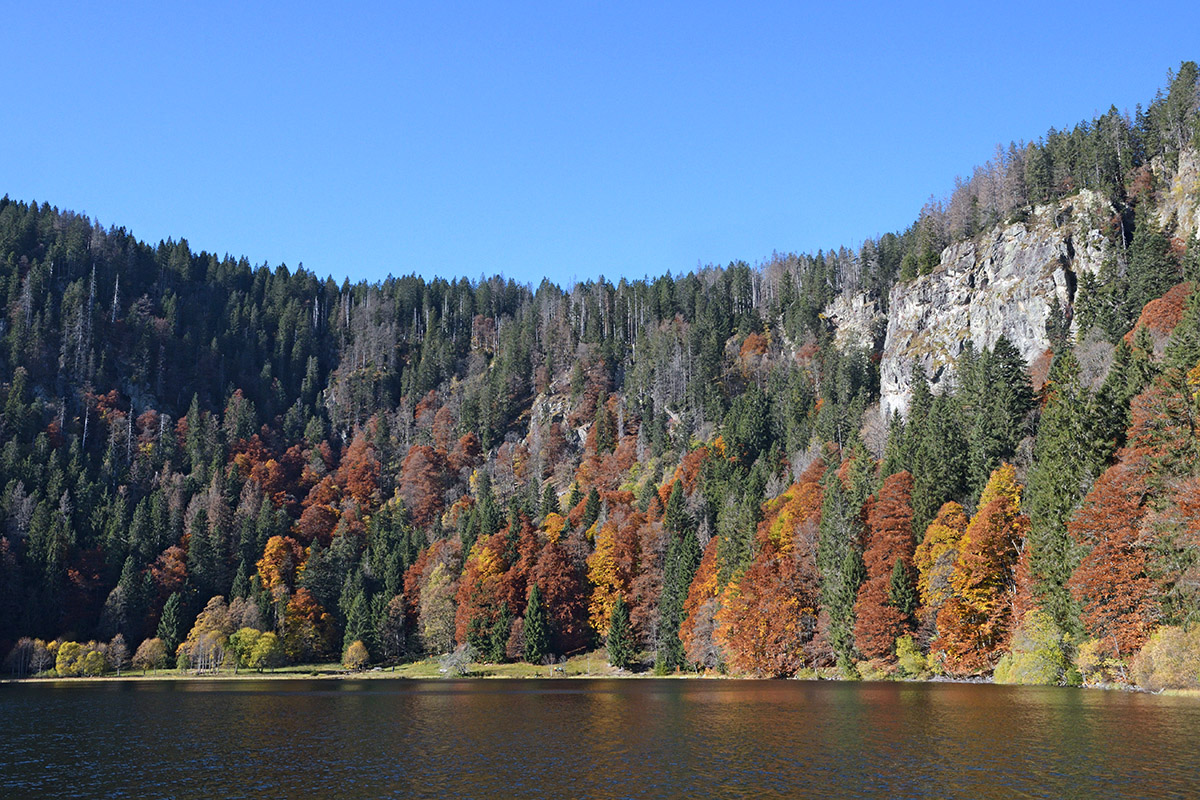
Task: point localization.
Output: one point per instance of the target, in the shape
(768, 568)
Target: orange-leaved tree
(935, 558)
(1111, 583)
(885, 604)
(976, 622)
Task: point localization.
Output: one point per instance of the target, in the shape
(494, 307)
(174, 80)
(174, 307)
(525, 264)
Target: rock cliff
(1003, 282)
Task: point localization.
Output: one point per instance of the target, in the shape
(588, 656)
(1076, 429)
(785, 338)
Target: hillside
(932, 453)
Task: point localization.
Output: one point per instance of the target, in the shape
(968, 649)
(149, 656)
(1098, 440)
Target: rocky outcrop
(1179, 196)
(1003, 283)
(857, 321)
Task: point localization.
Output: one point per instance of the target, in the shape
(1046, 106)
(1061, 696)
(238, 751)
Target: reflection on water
(595, 738)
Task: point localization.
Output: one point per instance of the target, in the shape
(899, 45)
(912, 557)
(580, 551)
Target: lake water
(591, 738)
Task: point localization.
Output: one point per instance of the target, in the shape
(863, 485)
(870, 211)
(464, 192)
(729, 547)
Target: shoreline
(419, 671)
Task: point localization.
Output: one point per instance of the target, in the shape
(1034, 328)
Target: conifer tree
(839, 562)
(537, 632)
(549, 500)
(591, 510)
(682, 559)
(1061, 470)
(171, 623)
(620, 636)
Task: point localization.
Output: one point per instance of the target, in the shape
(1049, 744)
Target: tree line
(214, 460)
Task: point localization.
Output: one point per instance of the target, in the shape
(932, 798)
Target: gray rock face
(1003, 282)
(1179, 198)
(858, 321)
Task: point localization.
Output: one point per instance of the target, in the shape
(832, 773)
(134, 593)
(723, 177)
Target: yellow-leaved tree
(976, 622)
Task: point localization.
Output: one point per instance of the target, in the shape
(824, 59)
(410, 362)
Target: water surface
(591, 738)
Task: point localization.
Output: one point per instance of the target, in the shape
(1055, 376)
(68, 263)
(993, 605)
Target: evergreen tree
(537, 630)
(901, 593)
(171, 622)
(620, 636)
(1152, 266)
(549, 500)
(591, 511)
(839, 562)
(683, 556)
(360, 624)
(1062, 468)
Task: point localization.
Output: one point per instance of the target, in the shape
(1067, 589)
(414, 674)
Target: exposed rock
(1179, 199)
(1002, 283)
(857, 320)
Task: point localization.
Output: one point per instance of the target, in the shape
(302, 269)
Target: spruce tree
(1063, 459)
(839, 562)
(591, 511)
(620, 636)
(360, 624)
(170, 623)
(683, 556)
(549, 500)
(901, 593)
(537, 631)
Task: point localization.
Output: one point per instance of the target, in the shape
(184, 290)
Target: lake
(591, 738)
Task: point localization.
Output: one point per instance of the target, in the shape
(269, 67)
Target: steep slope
(1004, 283)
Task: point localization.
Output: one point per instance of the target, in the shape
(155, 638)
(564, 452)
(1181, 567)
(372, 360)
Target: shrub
(1169, 660)
(909, 658)
(1038, 653)
(356, 657)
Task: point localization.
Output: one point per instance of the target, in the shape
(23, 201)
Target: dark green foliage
(901, 592)
(746, 426)
(683, 556)
(1153, 268)
(549, 501)
(839, 560)
(676, 519)
(1063, 467)
(360, 624)
(171, 624)
(620, 636)
(591, 510)
(537, 628)
(996, 395)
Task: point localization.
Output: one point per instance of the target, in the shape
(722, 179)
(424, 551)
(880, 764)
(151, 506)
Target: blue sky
(568, 139)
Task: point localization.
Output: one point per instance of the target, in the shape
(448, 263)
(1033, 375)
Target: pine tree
(537, 631)
(620, 636)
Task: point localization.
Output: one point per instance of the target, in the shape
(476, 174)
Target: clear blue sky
(565, 139)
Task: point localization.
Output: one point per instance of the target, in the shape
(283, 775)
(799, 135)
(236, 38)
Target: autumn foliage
(1111, 583)
(889, 540)
(975, 623)
(768, 617)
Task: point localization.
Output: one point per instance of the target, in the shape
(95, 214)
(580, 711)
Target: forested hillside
(206, 462)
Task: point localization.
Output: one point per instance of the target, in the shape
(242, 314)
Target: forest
(207, 464)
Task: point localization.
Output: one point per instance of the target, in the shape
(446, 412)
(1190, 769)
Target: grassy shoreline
(586, 665)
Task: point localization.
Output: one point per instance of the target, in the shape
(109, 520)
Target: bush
(356, 657)
(1169, 660)
(909, 658)
(1097, 664)
(1038, 654)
